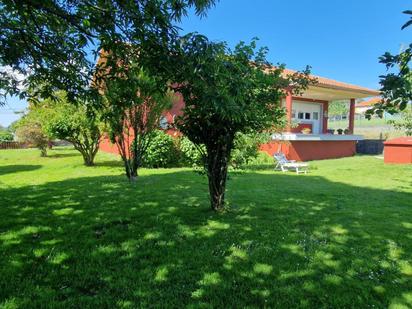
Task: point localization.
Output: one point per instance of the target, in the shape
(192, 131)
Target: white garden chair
(285, 165)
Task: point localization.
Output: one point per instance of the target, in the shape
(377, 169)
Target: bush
(189, 153)
(166, 151)
(162, 151)
(6, 136)
(246, 148)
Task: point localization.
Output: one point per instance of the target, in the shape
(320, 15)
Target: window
(315, 115)
(300, 115)
(163, 123)
(293, 114)
(307, 115)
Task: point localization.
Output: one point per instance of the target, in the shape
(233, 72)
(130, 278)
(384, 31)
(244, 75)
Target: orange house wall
(399, 154)
(312, 150)
(106, 146)
(176, 110)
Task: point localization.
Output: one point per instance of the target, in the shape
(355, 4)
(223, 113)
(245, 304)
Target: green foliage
(135, 101)
(78, 124)
(396, 87)
(337, 108)
(30, 129)
(5, 136)
(191, 154)
(405, 123)
(162, 151)
(246, 148)
(54, 44)
(228, 91)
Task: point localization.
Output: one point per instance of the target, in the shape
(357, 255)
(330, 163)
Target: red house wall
(106, 146)
(176, 110)
(398, 154)
(398, 150)
(312, 150)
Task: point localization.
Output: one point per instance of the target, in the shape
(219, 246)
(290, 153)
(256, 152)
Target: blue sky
(340, 39)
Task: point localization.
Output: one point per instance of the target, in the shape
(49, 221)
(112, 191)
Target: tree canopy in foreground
(396, 87)
(55, 43)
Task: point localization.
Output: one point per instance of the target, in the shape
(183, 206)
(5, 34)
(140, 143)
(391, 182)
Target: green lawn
(78, 237)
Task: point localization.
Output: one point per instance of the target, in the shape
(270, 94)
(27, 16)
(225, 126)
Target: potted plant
(331, 131)
(340, 131)
(306, 131)
(346, 131)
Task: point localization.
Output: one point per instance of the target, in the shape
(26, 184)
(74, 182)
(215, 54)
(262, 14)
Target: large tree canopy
(228, 91)
(55, 43)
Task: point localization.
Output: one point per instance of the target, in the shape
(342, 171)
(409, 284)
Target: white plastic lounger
(285, 165)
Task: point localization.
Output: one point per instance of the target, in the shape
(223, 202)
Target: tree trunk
(89, 155)
(218, 154)
(217, 186)
(131, 171)
(43, 152)
(88, 159)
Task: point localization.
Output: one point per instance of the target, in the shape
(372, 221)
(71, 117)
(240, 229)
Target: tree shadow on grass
(11, 169)
(63, 155)
(110, 163)
(288, 241)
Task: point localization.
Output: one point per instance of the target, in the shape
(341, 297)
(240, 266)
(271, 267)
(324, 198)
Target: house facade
(306, 136)
(310, 111)
(362, 107)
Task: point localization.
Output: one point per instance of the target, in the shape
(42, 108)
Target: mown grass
(83, 237)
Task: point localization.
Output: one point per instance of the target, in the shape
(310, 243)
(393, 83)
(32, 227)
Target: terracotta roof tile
(334, 84)
(369, 102)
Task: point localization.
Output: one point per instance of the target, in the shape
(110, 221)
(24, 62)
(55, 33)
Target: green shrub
(189, 153)
(5, 136)
(162, 151)
(263, 161)
(166, 151)
(246, 148)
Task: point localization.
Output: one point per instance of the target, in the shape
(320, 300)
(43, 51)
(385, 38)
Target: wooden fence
(12, 145)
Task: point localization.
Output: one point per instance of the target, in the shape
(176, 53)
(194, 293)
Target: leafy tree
(396, 85)
(337, 108)
(5, 135)
(226, 92)
(55, 43)
(134, 103)
(30, 129)
(76, 124)
(405, 123)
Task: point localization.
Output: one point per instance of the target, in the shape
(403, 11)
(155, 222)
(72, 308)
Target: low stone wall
(370, 146)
